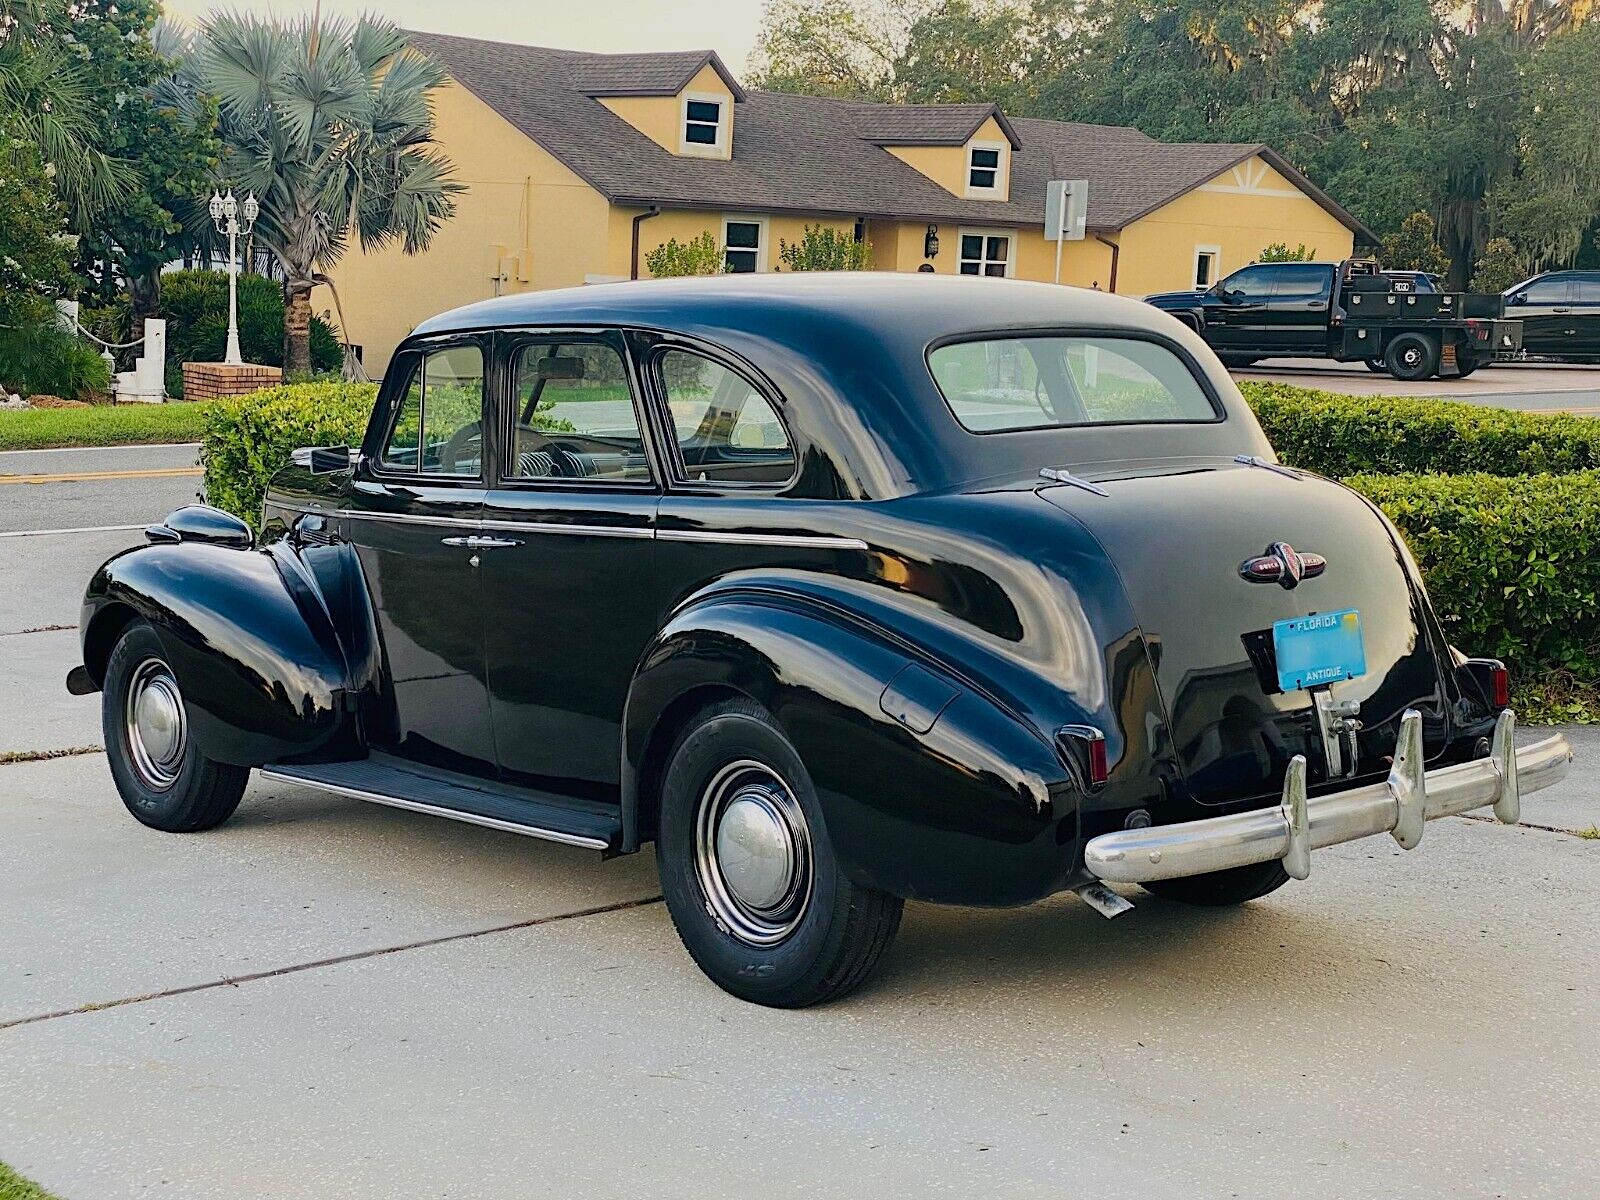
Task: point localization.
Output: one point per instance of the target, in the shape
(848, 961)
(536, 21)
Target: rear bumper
(1399, 806)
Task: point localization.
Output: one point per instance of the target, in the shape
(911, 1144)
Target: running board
(401, 784)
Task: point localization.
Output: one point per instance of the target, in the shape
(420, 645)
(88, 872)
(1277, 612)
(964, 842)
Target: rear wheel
(1377, 365)
(1412, 356)
(163, 779)
(748, 873)
(1466, 364)
(1220, 889)
(1239, 361)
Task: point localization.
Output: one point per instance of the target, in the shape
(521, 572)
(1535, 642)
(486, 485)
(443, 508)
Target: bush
(1512, 564)
(824, 248)
(1346, 435)
(698, 256)
(39, 357)
(248, 440)
(195, 304)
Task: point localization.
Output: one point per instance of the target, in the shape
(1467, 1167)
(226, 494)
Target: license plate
(1318, 650)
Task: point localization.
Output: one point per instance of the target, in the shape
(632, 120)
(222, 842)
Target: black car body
(1349, 311)
(1560, 315)
(971, 576)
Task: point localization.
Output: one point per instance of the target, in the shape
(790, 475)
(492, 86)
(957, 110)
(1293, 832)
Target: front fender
(929, 789)
(263, 675)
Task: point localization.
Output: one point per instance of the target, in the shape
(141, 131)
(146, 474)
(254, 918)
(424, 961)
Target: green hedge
(1348, 435)
(248, 440)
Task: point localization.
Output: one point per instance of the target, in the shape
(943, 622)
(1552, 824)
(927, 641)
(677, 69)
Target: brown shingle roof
(815, 155)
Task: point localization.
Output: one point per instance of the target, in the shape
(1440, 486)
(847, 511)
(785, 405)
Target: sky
(726, 26)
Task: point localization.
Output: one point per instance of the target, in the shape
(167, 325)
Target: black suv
(1560, 315)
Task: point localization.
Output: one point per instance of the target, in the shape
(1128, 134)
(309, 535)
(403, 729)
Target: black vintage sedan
(840, 589)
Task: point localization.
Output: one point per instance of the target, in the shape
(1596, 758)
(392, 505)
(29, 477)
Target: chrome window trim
(819, 541)
(813, 541)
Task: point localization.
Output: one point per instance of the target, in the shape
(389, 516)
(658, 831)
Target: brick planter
(212, 380)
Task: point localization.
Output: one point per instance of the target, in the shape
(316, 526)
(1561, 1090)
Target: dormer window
(705, 124)
(985, 168)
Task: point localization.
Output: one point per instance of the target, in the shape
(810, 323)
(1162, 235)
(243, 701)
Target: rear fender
(929, 788)
(251, 640)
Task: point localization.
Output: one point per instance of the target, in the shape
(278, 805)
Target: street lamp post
(225, 214)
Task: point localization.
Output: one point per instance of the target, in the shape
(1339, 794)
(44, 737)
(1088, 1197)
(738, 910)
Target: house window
(986, 252)
(985, 168)
(1206, 259)
(705, 125)
(745, 240)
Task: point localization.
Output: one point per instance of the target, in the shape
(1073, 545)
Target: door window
(438, 425)
(1252, 283)
(1545, 291)
(727, 431)
(574, 416)
(1588, 291)
(1302, 282)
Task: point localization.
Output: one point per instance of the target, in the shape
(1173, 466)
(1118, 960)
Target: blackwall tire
(748, 873)
(164, 780)
(1376, 366)
(1222, 889)
(1411, 357)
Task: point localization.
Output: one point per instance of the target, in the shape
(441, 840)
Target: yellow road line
(80, 476)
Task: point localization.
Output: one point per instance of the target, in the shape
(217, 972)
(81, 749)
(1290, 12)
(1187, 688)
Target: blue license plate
(1318, 650)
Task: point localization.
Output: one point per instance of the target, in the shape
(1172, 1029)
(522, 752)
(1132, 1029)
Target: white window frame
(761, 238)
(1002, 171)
(1216, 266)
(717, 149)
(1011, 249)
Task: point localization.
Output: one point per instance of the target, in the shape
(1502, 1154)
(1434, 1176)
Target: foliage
(824, 248)
(195, 304)
(43, 359)
(1512, 564)
(328, 123)
(1346, 435)
(1412, 247)
(248, 440)
(698, 256)
(1280, 252)
(102, 425)
(15, 1187)
(1500, 267)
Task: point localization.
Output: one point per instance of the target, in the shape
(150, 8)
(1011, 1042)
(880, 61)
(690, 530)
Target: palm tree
(328, 123)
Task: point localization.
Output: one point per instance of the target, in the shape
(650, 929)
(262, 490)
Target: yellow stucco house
(576, 165)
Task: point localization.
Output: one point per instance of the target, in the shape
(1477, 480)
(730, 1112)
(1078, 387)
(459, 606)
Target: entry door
(1240, 320)
(571, 597)
(416, 498)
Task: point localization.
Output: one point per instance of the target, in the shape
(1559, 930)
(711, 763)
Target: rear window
(999, 384)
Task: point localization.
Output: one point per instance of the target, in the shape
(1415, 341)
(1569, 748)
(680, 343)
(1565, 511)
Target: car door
(1586, 316)
(569, 592)
(1297, 312)
(1239, 319)
(1543, 308)
(416, 498)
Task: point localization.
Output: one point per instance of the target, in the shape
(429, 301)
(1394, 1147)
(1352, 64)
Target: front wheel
(749, 876)
(1237, 362)
(1412, 356)
(1222, 889)
(1376, 365)
(163, 779)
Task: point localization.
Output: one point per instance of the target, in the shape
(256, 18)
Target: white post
(233, 355)
(1061, 231)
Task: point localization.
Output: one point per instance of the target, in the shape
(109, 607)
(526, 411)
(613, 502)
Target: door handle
(1561, 310)
(475, 542)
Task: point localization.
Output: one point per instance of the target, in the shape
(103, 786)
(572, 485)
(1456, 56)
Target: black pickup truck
(1349, 311)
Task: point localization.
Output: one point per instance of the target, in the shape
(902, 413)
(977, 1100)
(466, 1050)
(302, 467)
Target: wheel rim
(157, 729)
(1410, 356)
(752, 853)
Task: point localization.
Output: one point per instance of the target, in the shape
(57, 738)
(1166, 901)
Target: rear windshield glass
(999, 384)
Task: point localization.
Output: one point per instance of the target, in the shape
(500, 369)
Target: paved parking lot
(1536, 387)
(329, 999)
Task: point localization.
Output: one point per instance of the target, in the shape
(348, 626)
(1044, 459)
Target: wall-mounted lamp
(930, 242)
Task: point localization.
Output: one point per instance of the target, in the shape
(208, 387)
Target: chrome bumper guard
(1400, 806)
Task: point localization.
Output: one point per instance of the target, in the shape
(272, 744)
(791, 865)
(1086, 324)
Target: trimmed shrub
(1512, 564)
(248, 440)
(195, 304)
(1348, 435)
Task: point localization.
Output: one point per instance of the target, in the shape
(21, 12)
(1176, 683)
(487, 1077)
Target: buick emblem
(1283, 565)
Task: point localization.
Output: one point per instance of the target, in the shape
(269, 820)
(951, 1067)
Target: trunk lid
(1177, 534)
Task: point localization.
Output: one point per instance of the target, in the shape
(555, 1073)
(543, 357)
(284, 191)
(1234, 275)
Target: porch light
(930, 242)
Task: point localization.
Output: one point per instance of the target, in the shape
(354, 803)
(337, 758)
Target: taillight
(1085, 748)
(1500, 687)
(1490, 680)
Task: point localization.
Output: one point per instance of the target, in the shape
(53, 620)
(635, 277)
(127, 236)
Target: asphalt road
(330, 999)
(1536, 387)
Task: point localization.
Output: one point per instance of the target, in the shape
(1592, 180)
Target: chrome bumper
(1399, 806)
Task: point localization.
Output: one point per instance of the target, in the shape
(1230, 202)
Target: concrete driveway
(328, 999)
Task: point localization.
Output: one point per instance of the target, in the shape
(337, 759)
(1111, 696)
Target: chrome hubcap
(753, 853)
(157, 728)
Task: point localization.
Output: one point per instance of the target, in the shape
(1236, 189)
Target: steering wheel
(468, 438)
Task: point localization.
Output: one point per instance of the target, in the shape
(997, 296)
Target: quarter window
(727, 431)
(983, 168)
(574, 415)
(984, 253)
(1588, 291)
(438, 429)
(743, 240)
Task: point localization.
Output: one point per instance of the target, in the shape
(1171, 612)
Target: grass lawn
(102, 425)
(15, 1187)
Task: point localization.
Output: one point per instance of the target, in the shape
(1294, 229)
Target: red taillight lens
(1500, 687)
(1084, 747)
(1098, 771)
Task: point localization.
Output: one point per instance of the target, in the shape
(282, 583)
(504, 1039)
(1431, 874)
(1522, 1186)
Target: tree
(1412, 248)
(328, 122)
(1280, 252)
(698, 256)
(824, 248)
(842, 48)
(1499, 268)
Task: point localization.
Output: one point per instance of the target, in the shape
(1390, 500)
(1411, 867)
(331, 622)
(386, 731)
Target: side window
(438, 428)
(1545, 291)
(727, 431)
(1251, 283)
(1588, 291)
(574, 416)
(1307, 282)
